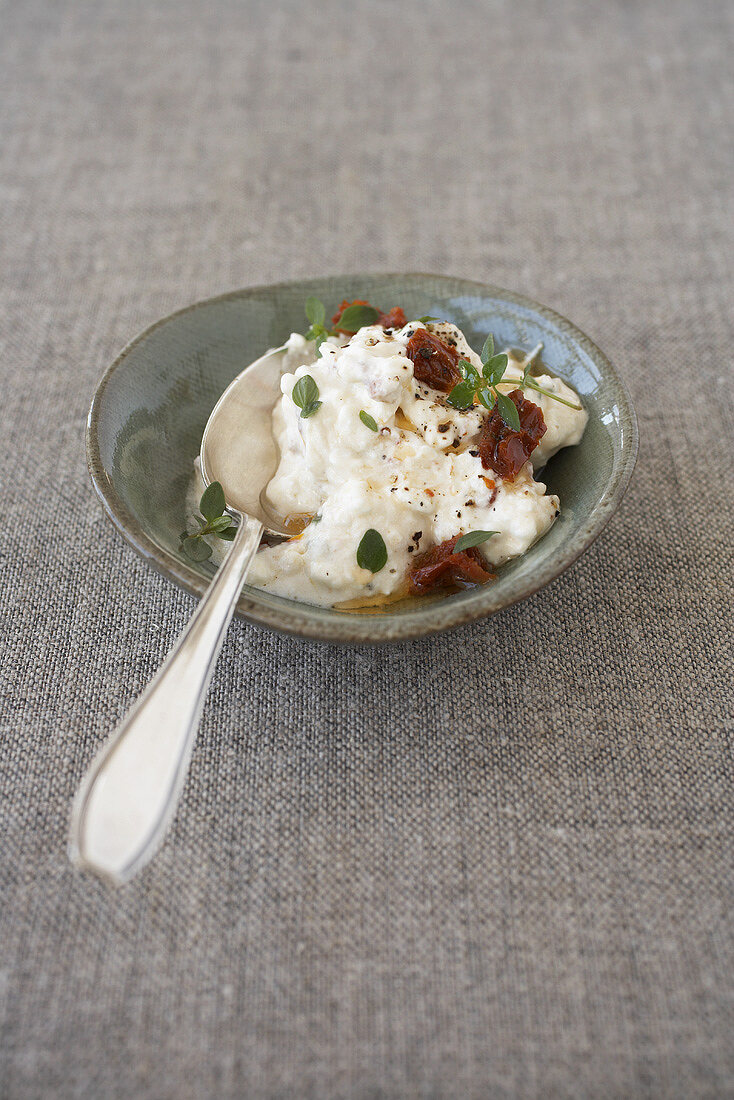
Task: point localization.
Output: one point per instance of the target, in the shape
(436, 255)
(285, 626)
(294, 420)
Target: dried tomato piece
(394, 318)
(442, 567)
(434, 362)
(504, 450)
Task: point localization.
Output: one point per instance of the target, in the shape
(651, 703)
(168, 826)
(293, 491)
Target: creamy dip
(418, 480)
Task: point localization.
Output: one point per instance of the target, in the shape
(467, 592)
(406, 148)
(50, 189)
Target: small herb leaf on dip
(462, 395)
(368, 421)
(427, 320)
(508, 412)
(356, 317)
(468, 371)
(494, 368)
(486, 396)
(372, 552)
(473, 538)
(306, 395)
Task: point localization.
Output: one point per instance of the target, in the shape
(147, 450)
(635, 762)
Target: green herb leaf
(318, 334)
(473, 538)
(212, 521)
(212, 502)
(372, 552)
(494, 368)
(196, 549)
(427, 320)
(316, 518)
(356, 317)
(314, 333)
(488, 349)
(221, 523)
(468, 371)
(315, 311)
(368, 421)
(508, 412)
(484, 387)
(306, 395)
(486, 396)
(462, 395)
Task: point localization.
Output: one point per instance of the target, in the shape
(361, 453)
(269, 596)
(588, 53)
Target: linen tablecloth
(496, 863)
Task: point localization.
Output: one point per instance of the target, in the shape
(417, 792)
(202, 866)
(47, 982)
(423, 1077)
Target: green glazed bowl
(151, 406)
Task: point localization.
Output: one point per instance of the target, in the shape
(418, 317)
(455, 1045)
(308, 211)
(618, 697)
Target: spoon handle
(129, 794)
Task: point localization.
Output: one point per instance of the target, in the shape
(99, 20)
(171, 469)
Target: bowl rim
(352, 628)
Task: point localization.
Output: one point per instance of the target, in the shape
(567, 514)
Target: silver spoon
(129, 794)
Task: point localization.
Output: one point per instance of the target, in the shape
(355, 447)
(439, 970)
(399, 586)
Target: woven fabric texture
(496, 863)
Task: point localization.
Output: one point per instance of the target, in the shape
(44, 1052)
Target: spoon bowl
(238, 448)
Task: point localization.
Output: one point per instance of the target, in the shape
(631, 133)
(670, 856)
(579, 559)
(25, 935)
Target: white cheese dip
(418, 480)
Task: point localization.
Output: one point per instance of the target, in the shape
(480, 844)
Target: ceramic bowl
(151, 406)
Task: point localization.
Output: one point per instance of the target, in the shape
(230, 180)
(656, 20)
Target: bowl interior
(151, 407)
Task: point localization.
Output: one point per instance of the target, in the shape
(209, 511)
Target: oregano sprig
(483, 387)
(530, 382)
(355, 317)
(351, 320)
(316, 314)
(212, 521)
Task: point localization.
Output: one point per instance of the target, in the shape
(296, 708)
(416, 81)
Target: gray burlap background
(496, 863)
